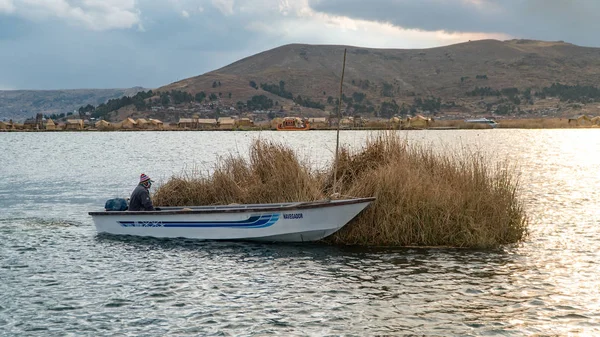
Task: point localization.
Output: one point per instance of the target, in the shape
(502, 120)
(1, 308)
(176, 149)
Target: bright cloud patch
(302, 24)
(225, 6)
(6, 6)
(93, 14)
(534, 19)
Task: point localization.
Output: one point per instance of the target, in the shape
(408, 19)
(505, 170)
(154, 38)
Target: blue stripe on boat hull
(256, 221)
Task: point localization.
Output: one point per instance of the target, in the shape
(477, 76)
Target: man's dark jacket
(140, 200)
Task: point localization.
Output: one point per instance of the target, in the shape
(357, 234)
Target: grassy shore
(423, 198)
(524, 123)
(521, 123)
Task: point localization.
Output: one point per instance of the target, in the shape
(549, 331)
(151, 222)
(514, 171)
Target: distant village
(178, 110)
(196, 123)
(197, 118)
(40, 123)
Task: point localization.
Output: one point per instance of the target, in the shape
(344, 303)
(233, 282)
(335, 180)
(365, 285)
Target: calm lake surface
(59, 278)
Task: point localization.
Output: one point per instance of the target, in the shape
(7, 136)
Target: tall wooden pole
(339, 120)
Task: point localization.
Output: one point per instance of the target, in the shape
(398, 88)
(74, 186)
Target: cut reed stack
(423, 198)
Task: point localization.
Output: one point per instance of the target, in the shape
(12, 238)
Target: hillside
(443, 74)
(21, 104)
(516, 77)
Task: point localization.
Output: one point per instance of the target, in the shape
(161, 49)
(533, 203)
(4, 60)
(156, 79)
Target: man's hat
(144, 178)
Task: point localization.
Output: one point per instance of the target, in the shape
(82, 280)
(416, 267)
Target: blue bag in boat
(117, 204)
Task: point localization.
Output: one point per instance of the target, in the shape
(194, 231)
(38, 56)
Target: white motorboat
(492, 123)
(285, 222)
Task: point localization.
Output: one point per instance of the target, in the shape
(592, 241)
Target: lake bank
(435, 124)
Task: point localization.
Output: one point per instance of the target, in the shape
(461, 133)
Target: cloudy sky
(63, 44)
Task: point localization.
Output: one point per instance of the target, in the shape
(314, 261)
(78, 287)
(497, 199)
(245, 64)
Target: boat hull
(300, 222)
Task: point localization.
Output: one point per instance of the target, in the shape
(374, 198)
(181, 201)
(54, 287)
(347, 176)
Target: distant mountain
(466, 76)
(486, 76)
(22, 104)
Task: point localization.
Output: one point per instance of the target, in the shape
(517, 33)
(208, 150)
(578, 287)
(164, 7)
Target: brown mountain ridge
(402, 75)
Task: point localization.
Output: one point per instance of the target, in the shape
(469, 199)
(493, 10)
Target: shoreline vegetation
(530, 123)
(422, 198)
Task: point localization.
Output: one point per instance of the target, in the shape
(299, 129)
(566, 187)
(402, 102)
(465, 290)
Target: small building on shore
(74, 124)
(226, 123)
(395, 122)
(50, 125)
(6, 125)
(244, 122)
(186, 123)
(318, 122)
(103, 125)
(347, 122)
(207, 123)
(156, 124)
(128, 123)
(418, 121)
(580, 120)
(142, 123)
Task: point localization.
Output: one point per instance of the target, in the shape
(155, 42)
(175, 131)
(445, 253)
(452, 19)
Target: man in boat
(140, 198)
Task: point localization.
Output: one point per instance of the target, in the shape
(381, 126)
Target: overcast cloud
(568, 20)
(123, 43)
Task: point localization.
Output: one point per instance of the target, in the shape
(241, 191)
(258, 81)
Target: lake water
(59, 278)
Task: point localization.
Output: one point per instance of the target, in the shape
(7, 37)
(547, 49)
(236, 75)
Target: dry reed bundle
(429, 199)
(423, 198)
(537, 123)
(521, 123)
(273, 173)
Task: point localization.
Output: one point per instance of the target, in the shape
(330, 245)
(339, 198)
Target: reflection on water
(60, 278)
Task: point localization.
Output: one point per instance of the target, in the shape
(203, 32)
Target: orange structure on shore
(293, 124)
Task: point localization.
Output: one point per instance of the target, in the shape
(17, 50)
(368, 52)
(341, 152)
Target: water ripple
(60, 278)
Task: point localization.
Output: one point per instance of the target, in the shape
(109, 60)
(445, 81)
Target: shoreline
(329, 129)
(525, 123)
